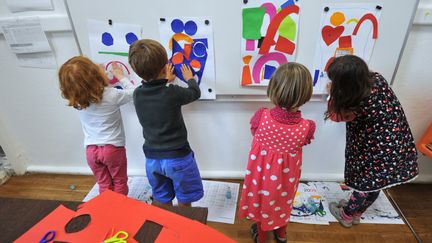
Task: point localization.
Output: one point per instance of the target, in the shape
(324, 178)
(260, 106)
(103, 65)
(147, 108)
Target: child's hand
(117, 71)
(101, 67)
(328, 87)
(170, 72)
(186, 72)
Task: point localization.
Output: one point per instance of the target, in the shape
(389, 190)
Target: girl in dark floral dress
(380, 150)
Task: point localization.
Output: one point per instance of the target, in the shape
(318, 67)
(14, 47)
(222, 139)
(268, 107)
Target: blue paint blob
(177, 26)
(316, 76)
(287, 3)
(199, 49)
(191, 28)
(107, 39)
(268, 71)
(131, 38)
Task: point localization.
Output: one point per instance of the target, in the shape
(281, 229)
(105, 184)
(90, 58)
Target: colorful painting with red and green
(269, 38)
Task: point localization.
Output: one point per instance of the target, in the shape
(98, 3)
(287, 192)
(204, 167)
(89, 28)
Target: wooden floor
(415, 201)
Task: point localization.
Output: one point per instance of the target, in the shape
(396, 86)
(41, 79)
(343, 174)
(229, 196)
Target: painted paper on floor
(381, 211)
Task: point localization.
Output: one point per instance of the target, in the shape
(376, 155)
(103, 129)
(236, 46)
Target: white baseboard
(212, 174)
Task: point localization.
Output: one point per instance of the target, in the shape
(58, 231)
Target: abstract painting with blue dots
(110, 43)
(189, 41)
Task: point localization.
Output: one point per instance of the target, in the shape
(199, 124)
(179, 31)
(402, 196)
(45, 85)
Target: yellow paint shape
(352, 20)
(337, 18)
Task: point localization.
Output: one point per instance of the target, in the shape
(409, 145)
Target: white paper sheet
(110, 43)
(338, 24)
(220, 207)
(381, 211)
(29, 5)
(195, 32)
(139, 189)
(308, 197)
(260, 67)
(25, 35)
(37, 60)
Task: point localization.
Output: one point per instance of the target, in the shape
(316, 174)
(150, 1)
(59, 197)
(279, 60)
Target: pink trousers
(109, 166)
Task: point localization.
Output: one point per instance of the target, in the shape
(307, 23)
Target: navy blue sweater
(158, 107)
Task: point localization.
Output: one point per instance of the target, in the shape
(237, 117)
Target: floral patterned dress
(380, 150)
(274, 166)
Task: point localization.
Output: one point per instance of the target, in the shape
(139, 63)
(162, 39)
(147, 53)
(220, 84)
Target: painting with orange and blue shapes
(269, 38)
(110, 43)
(346, 28)
(189, 41)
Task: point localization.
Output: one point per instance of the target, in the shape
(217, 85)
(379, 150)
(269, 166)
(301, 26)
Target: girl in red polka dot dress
(275, 159)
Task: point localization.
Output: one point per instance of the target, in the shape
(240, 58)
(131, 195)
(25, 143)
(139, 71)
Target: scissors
(49, 236)
(119, 237)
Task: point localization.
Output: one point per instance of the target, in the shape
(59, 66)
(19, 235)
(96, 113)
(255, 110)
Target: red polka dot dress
(274, 166)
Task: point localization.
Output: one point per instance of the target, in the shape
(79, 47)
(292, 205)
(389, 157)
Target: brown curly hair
(82, 82)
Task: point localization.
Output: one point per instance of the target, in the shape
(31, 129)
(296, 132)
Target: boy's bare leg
(184, 204)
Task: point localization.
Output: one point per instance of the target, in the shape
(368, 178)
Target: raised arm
(125, 95)
(192, 92)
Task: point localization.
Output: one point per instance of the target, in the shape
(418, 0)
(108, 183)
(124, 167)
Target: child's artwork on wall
(110, 43)
(346, 28)
(269, 38)
(189, 40)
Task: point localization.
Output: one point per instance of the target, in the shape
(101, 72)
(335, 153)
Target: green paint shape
(287, 28)
(252, 22)
(123, 54)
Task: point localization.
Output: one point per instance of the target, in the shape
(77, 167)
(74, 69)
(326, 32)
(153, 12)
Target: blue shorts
(175, 177)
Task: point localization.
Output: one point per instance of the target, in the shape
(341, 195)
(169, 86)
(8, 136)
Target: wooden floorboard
(415, 201)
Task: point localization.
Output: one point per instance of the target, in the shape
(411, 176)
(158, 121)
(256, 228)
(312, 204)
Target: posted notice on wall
(29, 5)
(28, 41)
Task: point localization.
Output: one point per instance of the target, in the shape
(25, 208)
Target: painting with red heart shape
(330, 34)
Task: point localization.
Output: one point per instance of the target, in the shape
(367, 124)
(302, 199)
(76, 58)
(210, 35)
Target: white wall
(39, 133)
(413, 85)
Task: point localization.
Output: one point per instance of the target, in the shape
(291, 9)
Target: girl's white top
(102, 122)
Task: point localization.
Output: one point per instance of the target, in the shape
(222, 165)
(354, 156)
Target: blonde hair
(147, 58)
(290, 86)
(82, 82)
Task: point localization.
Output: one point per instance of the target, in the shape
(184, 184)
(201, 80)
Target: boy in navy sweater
(170, 164)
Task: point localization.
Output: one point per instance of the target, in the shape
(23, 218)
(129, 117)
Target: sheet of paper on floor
(381, 211)
(139, 189)
(310, 207)
(221, 209)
